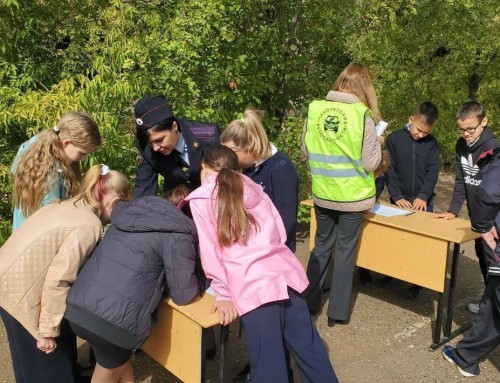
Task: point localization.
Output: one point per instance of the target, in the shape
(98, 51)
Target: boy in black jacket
(414, 169)
(414, 154)
(485, 216)
(476, 139)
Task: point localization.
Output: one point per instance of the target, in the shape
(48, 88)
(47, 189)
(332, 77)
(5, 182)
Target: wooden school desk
(177, 342)
(414, 248)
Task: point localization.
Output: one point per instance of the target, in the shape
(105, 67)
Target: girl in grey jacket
(149, 251)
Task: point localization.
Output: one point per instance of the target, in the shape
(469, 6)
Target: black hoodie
(486, 207)
(468, 175)
(149, 250)
(414, 168)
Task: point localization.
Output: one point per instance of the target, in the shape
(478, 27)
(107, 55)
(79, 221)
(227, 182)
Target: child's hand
(227, 311)
(404, 204)
(419, 204)
(447, 216)
(491, 238)
(46, 345)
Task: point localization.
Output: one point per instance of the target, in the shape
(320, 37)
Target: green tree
(443, 51)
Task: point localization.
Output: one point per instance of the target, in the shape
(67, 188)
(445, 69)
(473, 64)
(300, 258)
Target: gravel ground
(387, 339)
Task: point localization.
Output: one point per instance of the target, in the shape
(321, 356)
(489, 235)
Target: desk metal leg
(451, 292)
(448, 335)
(224, 336)
(203, 354)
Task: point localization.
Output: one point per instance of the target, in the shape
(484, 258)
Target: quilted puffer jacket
(40, 261)
(149, 251)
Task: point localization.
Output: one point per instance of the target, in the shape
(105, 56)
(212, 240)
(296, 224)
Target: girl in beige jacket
(38, 264)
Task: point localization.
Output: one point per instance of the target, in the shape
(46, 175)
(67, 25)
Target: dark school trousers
(34, 366)
(481, 256)
(341, 229)
(269, 327)
(485, 333)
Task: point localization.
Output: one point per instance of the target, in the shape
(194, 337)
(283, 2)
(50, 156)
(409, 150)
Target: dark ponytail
(234, 223)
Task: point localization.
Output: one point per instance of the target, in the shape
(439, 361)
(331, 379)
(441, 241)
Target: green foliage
(442, 51)
(214, 58)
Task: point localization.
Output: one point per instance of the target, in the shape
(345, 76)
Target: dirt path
(387, 339)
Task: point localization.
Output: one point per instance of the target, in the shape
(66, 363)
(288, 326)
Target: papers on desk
(210, 291)
(388, 211)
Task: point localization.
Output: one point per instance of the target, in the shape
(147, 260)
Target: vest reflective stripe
(334, 140)
(341, 173)
(333, 159)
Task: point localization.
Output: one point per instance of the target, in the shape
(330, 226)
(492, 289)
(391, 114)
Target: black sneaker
(243, 376)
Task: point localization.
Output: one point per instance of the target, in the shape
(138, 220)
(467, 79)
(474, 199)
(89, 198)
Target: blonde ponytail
(248, 134)
(97, 182)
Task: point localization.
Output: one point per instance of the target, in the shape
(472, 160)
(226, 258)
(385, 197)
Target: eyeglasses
(468, 130)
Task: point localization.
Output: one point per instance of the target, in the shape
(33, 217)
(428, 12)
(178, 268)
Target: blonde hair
(248, 134)
(95, 186)
(234, 223)
(37, 170)
(356, 79)
(385, 163)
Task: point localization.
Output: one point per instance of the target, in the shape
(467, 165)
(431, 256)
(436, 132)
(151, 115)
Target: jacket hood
(252, 192)
(486, 136)
(151, 214)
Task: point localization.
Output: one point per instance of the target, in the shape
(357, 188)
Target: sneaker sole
(474, 311)
(464, 373)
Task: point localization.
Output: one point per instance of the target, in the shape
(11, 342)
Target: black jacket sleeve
(285, 184)
(392, 180)
(146, 182)
(179, 261)
(431, 173)
(458, 198)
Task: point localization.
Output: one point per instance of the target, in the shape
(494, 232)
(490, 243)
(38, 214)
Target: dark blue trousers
(34, 366)
(485, 333)
(269, 327)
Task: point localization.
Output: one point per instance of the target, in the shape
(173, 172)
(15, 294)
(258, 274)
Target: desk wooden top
(456, 230)
(199, 310)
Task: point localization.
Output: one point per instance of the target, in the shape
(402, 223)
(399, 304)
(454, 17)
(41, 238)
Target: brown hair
(384, 164)
(95, 185)
(470, 109)
(177, 194)
(356, 79)
(248, 134)
(38, 168)
(234, 223)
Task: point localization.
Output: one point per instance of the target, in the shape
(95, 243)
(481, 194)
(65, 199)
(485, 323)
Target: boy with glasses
(484, 336)
(476, 139)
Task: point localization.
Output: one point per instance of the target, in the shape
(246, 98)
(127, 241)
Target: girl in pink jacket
(254, 274)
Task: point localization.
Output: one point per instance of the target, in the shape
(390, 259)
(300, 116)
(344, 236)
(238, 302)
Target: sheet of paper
(388, 211)
(210, 291)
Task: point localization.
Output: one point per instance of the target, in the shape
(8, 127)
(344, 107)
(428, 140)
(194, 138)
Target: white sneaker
(473, 307)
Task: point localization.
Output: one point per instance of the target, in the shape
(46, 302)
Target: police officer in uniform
(169, 146)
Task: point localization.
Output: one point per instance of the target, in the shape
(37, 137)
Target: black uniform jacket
(199, 136)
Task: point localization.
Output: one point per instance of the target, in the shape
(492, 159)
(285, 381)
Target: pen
(410, 213)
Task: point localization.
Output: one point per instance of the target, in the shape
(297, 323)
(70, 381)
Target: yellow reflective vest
(334, 141)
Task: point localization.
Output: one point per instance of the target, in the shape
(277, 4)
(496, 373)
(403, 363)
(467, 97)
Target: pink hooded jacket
(253, 274)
